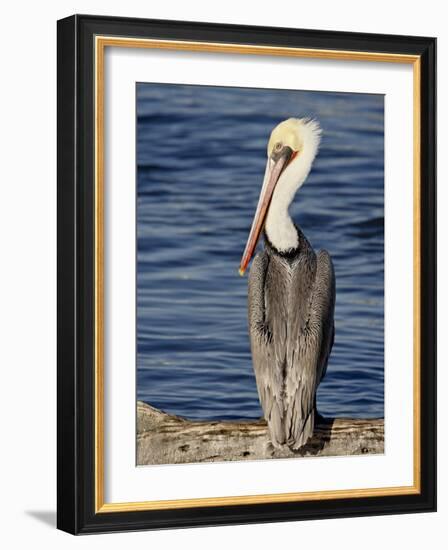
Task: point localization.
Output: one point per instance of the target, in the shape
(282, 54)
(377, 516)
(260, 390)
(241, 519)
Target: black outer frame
(75, 380)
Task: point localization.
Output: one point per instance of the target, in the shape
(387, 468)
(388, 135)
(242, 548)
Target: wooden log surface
(167, 439)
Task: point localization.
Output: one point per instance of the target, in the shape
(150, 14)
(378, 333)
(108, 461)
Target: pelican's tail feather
(275, 426)
(302, 436)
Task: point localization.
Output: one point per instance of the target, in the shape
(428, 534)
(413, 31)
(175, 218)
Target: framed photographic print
(246, 274)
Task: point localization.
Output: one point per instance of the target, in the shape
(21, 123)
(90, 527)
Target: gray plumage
(291, 312)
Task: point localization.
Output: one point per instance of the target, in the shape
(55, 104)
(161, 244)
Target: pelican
(291, 292)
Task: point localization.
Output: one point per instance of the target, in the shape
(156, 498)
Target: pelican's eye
(278, 146)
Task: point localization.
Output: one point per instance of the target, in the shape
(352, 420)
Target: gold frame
(101, 42)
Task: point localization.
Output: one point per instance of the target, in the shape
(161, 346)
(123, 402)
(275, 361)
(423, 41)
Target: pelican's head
(292, 146)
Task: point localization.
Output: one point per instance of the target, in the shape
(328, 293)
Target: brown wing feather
(309, 347)
(291, 329)
(268, 375)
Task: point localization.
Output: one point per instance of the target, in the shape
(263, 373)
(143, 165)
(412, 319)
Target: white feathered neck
(279, 226)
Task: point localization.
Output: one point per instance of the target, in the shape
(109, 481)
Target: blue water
(201, 153)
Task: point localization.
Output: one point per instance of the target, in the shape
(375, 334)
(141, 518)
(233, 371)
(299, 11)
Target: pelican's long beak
(274, 169)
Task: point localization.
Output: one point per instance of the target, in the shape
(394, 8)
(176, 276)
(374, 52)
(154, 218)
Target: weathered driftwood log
(168, 439)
